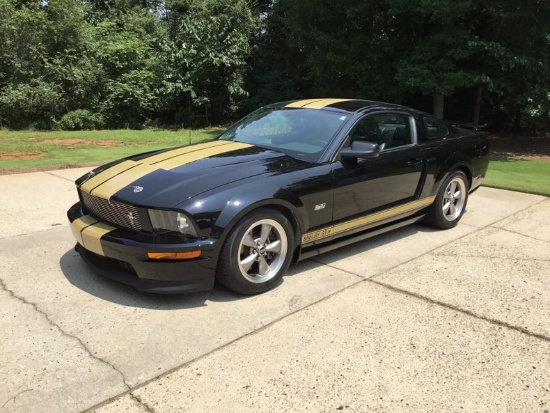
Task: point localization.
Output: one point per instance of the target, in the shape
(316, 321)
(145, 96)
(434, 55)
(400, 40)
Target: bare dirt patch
(23, 156)
(65, 142)
(515, 146)
(108, 143)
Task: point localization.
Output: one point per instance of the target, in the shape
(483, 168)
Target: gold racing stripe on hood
(112, 180)
(191, 157)
(107, 189)
(101, 177)
(119, 168)
(314, 103)
(184, 150)
(88, 232)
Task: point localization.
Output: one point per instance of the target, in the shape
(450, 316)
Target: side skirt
(351, 239)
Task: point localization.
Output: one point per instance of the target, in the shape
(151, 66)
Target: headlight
(171, 221)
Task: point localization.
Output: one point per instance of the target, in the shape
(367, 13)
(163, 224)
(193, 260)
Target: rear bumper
(121, 255)
(476, 183)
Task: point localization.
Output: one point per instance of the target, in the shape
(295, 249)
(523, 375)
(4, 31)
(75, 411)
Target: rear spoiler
(463, 125)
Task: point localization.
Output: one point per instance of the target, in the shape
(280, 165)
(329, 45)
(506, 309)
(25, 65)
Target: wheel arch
(456, 162)
(229, 217)
(443, 212)
(467, 171)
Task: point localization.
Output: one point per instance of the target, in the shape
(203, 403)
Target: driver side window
(388, 130)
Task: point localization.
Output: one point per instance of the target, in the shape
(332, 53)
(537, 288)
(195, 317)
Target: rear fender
(455, 161)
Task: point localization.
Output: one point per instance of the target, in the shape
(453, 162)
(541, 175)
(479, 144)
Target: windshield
(300, 133)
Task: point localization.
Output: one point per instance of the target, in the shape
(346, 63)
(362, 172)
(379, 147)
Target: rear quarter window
(435, 129)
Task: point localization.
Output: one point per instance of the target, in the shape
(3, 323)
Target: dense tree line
(77, 64)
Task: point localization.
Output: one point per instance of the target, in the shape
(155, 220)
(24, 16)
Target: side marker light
(173, 255)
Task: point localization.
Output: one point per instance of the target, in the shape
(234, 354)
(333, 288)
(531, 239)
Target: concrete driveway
(415, 320)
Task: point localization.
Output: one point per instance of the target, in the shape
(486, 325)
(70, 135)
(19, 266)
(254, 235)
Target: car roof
(343, 105)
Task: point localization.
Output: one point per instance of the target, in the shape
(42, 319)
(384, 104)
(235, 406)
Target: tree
(207, 59)
(44, 67)
(129, 52)
(512, 42)
(394, 49)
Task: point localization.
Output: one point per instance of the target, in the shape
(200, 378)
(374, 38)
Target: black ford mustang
(289, 181)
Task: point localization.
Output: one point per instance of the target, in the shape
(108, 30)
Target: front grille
(114, 212)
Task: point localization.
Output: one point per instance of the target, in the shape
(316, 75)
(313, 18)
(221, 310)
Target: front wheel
(257, 253)
(450, 202)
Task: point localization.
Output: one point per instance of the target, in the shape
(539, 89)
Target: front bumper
(122, 256)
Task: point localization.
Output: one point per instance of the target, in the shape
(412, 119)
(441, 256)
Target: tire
(257, 253)
(450, 202)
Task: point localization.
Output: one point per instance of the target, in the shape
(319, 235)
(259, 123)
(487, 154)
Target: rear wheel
(450, 202)
(257, 253)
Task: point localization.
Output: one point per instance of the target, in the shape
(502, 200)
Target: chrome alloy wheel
(454, 199)
(262, 251)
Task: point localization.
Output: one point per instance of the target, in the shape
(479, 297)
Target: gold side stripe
(382, 215)
(91, 237)
(368, 219)
(112, 180)
(314, 103)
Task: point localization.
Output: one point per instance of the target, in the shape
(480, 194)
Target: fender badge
(138, 188)
(318, 207)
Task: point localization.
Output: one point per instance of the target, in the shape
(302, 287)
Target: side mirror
(360, 149)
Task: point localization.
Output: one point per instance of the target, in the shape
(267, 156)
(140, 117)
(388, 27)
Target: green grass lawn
(519, 175)
(22, 151)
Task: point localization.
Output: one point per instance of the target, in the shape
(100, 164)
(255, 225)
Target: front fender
(218, 213)
(237, 208)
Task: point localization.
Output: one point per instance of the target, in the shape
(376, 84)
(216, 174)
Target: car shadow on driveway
(375, 242)
(82, 277)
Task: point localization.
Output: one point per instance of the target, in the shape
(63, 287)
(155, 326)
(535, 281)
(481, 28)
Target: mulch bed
(517, 146)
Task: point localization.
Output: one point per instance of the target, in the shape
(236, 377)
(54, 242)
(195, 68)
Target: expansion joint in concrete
(493, 321)
(138, 400)
(14, 398)
(492, 257)
(522, 234)
(63, 332)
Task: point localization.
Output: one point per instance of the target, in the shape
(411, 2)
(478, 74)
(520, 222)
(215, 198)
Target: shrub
(34, 102)
(81, 119)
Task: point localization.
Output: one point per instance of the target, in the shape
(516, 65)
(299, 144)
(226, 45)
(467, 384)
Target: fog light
(173, 255)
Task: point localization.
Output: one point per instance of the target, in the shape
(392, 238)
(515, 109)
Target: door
(393, 178)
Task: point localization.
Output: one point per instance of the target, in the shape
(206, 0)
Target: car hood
(166, 178)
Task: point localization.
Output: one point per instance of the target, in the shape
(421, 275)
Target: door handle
(414, 162)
